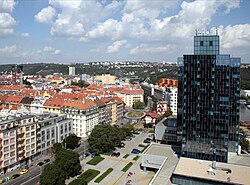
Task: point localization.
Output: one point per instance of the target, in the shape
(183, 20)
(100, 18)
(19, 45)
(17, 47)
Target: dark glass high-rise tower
(208, 101)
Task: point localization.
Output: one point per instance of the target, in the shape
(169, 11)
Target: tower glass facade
(208, 101)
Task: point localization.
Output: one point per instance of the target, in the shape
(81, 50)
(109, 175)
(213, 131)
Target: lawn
(85, 178)
(135, 114)
(125, 156)
(107, 153)
(95, 160)
(127, 167)
(136, 158)
(105, 174)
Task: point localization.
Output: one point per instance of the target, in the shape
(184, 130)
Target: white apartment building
(54, 128)
(172, 99)
(130, 96)
(72, 71)
(83, 114)
(36, 106)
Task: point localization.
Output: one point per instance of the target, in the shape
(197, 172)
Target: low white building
(130, 96)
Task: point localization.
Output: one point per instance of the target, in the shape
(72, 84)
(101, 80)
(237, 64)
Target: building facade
(208, 101)
(72, 71)
(173, 99)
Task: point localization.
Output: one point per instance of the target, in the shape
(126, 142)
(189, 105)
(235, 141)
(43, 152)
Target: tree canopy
(52, 175)
(138, 105)
(104, 138)
(80, 83)
(72, 141)
(167, 113)
(66, 164)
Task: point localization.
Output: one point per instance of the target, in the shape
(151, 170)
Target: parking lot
(117, 177)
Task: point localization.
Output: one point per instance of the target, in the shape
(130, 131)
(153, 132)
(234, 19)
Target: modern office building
(208, 100)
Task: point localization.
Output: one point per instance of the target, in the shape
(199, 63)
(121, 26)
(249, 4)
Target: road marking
(30, 179)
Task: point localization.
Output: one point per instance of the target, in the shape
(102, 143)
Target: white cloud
(7, 23)
(25, 34)
(237, 36)
(116, 46)
(7, 5)
(46, 15)
(8, 49)
(50, 50)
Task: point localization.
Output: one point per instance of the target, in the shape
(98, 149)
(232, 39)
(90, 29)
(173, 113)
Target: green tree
(244, 97)
(52, 175)
(68, 161)
(103, 138)
(244, 144)
(56, 148)
(167, 113)
(138, 105)
(72, 141)
(80, 83)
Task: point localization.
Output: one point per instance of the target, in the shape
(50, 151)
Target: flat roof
(168, 166)
(198, 169)
(241, 159)
(159, 149)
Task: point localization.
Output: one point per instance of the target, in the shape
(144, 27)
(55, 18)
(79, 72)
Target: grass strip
(107, 153)
(125, 156)
(85, 178)
(136, 158)
(127, 167)
(144, 148)
(95, 160)
(105, 174)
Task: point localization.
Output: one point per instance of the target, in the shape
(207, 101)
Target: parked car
(120, 145)
(135, 151)
(136, 132)
(86, 154)
(46, 161)
(40, 163)
(24, 171)
(93, 154)
(15, 176)
(141, 145)
(147, 141)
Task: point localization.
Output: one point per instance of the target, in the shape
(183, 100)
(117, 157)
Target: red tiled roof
(14, 99)
(117, 99)
(3, 98)
(152, 114)
(132, 91)
(94, 86)
(54, 102)
(104, 100)
(78, 104)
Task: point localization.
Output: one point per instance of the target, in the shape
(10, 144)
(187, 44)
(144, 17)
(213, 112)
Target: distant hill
(171, 72)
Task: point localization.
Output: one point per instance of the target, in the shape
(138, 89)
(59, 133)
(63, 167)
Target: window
(33, 145)
(33, 133)
(32, 127)
(12, 147)
(12, 154)
(5, 142)
(12, 140)
(6, 149)
(210, 43)
(6, 134)
(201, 43)
(6, 156)
(48, 143)
(28, 147)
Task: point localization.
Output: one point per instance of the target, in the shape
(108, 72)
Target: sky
(75, 31)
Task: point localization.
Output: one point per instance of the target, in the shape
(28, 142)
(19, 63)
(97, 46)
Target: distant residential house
(151, 117)
(162, 107)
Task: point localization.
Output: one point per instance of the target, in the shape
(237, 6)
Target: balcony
(21, 152)
(21, 145)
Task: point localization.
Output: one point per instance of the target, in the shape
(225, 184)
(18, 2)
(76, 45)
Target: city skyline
(134, 30)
